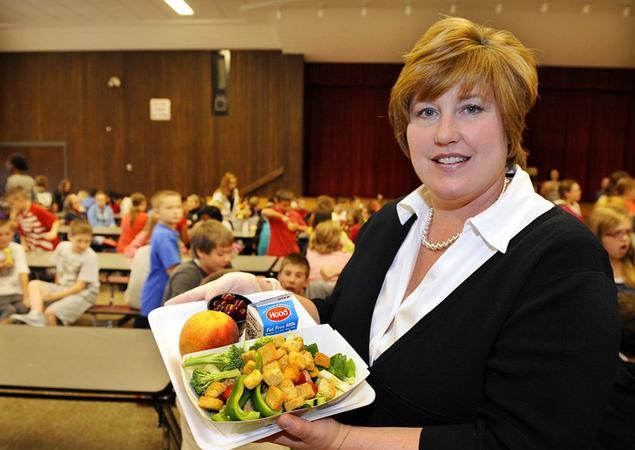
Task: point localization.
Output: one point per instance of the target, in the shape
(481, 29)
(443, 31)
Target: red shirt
(283, 241)
(130, 230)
(33, 224)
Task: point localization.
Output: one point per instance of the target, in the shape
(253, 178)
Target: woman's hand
(235, 282)
(324, 434)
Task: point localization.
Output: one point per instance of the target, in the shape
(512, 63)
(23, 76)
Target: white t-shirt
(72, 267)
(10, 279)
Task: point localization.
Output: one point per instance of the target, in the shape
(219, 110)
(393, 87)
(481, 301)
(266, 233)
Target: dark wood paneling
(65, 97)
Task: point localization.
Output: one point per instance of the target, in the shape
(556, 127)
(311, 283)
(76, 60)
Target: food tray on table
(166, 324)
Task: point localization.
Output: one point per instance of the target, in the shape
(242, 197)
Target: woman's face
(574, 193)
(617, 242)
(458, 147)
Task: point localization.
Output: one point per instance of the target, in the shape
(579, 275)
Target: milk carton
(275, 312)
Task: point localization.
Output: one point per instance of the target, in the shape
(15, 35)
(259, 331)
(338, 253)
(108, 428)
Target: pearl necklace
(435, 247)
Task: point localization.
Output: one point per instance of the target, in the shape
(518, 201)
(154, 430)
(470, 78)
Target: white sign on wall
(160, 109)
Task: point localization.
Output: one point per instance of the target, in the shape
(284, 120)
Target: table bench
(124, 313)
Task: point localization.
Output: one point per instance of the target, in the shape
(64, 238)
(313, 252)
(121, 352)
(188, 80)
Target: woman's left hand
(324, 434)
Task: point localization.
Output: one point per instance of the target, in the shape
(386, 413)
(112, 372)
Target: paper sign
(160, 109)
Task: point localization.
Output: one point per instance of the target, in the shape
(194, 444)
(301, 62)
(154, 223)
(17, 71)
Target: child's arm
(271, 213)
(294, 226)
(52, 234)
(171, 269)
(74, 289)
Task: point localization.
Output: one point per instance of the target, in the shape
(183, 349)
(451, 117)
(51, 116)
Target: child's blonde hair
(604, 220)
(80, 226)
(160, 196)
(16, 192)
(326, 238)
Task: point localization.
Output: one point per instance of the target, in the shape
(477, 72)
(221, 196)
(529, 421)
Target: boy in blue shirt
(164, 252)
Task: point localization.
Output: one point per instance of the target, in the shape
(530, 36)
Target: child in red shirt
(37, 226)
(283, 224)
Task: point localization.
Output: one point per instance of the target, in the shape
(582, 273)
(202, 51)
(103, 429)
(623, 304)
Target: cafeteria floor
(36, 424)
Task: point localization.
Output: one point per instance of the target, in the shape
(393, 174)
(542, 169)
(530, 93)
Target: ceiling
(325, 31)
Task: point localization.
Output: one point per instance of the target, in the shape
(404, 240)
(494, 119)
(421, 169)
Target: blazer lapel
(372, 259)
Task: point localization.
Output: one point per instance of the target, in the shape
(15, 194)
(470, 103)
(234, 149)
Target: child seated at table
(37, 226)
(14, 274)
(211, 249)
(76, 282)
(294, 273)
(325, 254)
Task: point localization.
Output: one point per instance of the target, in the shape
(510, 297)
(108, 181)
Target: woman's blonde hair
(326, 238)
(457, 52)
(606, 219)
(225, 182)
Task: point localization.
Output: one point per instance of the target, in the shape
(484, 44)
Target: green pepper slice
(220, 416)
(260, 405)
(258, 360)
(233, 408)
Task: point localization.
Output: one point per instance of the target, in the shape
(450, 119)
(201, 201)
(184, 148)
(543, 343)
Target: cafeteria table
(97, 231)
(261, 265)
(83, 363)
(107, 261)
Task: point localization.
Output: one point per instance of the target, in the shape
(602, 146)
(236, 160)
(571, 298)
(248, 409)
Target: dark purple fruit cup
(234, 305)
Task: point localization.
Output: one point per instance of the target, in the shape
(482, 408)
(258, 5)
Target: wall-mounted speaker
(221, 60)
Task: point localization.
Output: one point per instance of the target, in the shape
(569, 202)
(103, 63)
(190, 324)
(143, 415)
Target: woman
(613, 227)
(487, 315)
(570, 194)
(227, 196)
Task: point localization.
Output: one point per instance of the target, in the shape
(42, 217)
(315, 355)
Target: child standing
(76, 282)
(294, 273)
(211, 248)
(37, 226)
(283, 224)
(164, 252)
(14, 274)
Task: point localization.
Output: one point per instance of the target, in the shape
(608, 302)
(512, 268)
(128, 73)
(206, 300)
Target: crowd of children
(187, 240)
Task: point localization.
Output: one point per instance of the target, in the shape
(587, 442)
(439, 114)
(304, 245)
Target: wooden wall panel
(65, 97)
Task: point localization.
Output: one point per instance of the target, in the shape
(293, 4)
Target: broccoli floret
(261, 342)
(201, 378)
(223, 361)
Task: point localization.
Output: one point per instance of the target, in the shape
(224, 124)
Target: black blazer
(521, 355)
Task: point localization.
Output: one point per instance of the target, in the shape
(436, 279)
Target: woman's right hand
(234, 282)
